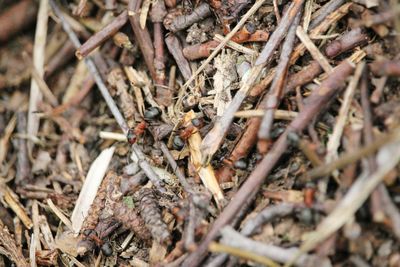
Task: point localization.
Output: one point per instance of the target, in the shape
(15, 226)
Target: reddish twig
(60, 58)
(142, 36)
(198, 51)
(274, 96)
(101, 36)
(175, 48)
(318, 99)
(324, 11)
(184, 21)
(204, 50)
(346, 42)
(163, 94)
(386, 67)
(16, 18)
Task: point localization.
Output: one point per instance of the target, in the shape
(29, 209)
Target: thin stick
(101, 36)
(276, 11)
(314, 51)
(42, 85)
(238, 26)
(142, 37)
(334, 139)
(275, 94)
(244, 254)
(279, 114)
(35, 96)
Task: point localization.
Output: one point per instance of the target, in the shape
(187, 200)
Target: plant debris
(205, 133)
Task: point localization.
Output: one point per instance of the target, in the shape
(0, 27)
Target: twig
(101, 36)
(274, 96)
(236, 46)
(239, 25)
(23, 167)
(244, 254)
(59, 214)
(14, 204)
(214, 138)
(346, 42)
(16, 18)
(175, 48)
(142, 36)
(334, 139)
(279, 114)
(269, 213)
(59, 59)
(233, 238)
(299, 50)
(47, 93)
(175, 167)
(386, 67)
(184, 21)
(276, 11)
(324, 11)
(163, 94)
(380, 198)
(35, 95)
(323, 27)
(319, 98)
(314, 51)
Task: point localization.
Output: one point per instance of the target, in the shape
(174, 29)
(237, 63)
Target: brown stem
(101, 36)
(175, 48)
(274, 96)
(346, 42)
(184, 21)
(16, 18)
(385, 67)
(60, 58)
(23, 167)
(142, 36)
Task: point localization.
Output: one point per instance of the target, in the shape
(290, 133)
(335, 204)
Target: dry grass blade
(334, 139)
(247, 255)
(38, 61)
(206, 173)
(314, 51)
(89, 189)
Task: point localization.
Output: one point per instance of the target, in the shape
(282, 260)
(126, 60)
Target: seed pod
(151, 214)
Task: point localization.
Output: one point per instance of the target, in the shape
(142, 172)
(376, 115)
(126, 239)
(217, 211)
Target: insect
(136, 132)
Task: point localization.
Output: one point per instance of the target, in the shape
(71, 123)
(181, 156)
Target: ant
(134, 133)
